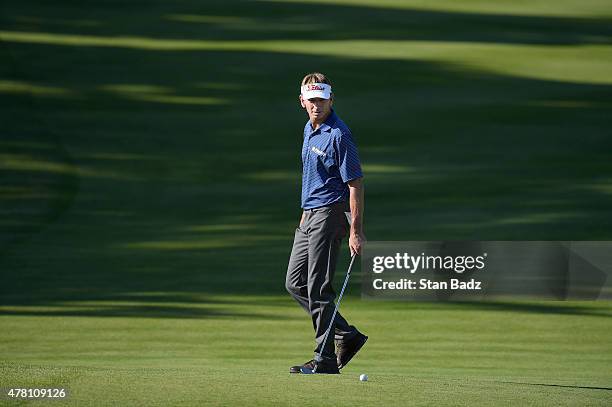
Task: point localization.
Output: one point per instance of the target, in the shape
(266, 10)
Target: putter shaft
(331, 322)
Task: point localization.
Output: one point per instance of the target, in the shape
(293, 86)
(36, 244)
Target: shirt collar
(327, 124)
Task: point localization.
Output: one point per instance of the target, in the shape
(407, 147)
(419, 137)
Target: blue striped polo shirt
(329, 160)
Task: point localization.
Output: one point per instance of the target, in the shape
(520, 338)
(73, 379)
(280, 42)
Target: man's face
(317, 108)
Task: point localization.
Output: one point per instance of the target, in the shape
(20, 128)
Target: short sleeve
(348, 157)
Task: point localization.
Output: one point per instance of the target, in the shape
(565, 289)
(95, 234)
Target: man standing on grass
(331, 186)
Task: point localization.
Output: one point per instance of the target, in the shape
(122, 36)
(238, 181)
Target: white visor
(316, 90)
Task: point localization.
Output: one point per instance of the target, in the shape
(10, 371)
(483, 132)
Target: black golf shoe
(298, 369)
(312, 367)
(347, 349)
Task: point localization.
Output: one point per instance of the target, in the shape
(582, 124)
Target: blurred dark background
(153, 148)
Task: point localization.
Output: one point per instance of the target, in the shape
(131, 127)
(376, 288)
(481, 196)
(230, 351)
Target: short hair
(315, 77)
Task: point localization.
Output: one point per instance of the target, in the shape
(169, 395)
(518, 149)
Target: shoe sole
(357, 349)
(305, 370)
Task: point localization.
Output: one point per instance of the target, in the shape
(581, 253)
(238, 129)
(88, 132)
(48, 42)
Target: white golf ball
(363, 377)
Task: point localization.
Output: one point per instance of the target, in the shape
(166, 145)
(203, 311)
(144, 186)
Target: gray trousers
(311, 268)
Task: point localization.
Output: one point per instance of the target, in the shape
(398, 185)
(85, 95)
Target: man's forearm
(356, 201)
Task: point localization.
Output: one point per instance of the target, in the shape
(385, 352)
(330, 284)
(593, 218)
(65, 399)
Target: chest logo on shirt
(319, 152)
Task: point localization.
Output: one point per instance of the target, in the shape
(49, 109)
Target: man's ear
(302, 102)
(331, 99)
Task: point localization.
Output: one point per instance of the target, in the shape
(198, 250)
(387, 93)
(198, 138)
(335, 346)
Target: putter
(331, 323)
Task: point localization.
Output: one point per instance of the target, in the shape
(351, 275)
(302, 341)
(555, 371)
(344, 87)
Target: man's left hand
(356, 241)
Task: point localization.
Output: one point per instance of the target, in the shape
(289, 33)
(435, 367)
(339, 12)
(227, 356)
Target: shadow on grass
(561, 385)
(527, 307)
(269, 20)
(142, 311)
(517, 305)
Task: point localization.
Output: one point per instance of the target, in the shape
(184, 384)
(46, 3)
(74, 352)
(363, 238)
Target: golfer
(331, 188)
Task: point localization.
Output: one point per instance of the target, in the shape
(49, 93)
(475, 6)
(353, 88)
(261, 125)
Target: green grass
(149, 187)
(237, 350)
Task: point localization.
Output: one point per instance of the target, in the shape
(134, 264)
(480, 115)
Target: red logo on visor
(315, 87)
